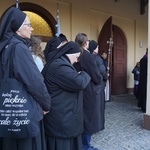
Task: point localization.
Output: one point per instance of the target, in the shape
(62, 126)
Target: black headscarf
(63, 37)
(11, 22)
(92, 46)
(51, 45)
(69, 48)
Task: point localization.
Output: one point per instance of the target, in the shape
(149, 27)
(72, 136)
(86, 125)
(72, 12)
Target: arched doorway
(118, 56)
(44, 15)
(39, 11)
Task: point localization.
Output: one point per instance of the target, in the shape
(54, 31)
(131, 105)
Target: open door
(105, 45)
(104, 36)
(119, 65)
(117, 56)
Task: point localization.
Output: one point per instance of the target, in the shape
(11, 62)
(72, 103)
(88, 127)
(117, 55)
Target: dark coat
(136, 72)
(65, 85)
(142, 90)
(91, 96)
(105, 61)
(26, 71)
(102, 70)
(101, 67)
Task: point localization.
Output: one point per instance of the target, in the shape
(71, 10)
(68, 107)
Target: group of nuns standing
(70, 88)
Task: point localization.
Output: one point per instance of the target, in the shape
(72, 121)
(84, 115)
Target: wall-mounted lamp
(141, 44)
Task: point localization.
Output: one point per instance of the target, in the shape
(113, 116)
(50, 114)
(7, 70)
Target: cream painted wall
(89, 16)
(66, 18)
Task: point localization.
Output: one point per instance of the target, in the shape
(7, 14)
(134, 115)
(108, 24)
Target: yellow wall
(89, 16)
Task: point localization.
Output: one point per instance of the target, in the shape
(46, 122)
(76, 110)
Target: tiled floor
(123, 126)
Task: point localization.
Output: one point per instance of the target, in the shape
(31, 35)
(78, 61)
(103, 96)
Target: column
(146, 124)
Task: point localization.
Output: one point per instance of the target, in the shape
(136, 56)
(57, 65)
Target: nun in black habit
(64, 123)
(93, 48)
(15, 30)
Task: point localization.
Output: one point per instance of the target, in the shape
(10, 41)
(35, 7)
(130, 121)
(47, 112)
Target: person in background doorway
(91, 100)
(93, 48)
(136, 72)
(107, 88)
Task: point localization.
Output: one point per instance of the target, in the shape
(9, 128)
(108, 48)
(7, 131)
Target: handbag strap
(12, 54)
(8, 67)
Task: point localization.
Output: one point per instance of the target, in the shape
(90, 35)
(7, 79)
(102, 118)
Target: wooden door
(105, 35)
(118, 62)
